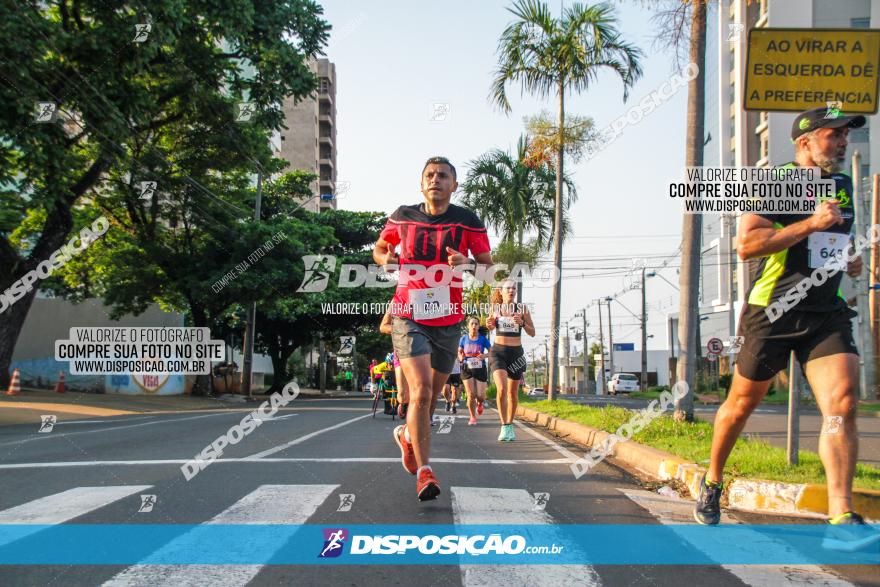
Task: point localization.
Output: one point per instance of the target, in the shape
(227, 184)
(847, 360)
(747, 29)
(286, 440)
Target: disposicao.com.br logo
(413, 544)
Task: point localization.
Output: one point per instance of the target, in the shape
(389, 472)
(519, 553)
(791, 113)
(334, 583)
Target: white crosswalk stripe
(673, 511)
(268, 504)
(488, 505)
(65, 506)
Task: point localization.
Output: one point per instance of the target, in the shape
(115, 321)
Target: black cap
(823, 118)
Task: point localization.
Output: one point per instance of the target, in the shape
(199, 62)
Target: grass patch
(869, 408)
(754, 459)
(644, 394)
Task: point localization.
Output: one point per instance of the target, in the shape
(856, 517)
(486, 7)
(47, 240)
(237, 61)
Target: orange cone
(60, 387)
(15, 384)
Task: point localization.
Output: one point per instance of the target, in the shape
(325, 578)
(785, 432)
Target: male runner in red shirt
(427, 308)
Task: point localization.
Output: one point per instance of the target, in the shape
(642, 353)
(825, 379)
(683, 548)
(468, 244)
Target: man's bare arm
(383, 253)
(757, 237)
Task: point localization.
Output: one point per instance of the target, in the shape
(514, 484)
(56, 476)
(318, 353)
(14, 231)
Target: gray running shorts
(412, 339)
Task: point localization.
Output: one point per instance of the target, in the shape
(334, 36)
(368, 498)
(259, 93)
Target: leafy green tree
(114, 92)
(549, 56)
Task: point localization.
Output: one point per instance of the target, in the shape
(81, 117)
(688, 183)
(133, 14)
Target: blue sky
(395, 60)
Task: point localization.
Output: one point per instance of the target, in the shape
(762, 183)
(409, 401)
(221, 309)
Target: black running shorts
(811, 335)
(507, 358)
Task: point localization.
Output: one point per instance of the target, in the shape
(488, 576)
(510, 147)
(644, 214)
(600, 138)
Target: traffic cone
(60, 387)
(15, 384)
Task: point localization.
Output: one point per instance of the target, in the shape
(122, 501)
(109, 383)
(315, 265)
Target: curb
(774, 497)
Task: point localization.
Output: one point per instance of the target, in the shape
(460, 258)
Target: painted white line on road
(105, 421)
(569, 456)
(65, 434)
(269, 504)
(274, 418)
(250, 460)
(65, 506)
(672, 511)
(301, 439)
(491, 505)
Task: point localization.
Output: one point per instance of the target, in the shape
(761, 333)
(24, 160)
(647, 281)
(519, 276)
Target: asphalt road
(769, 423)
(293, 469)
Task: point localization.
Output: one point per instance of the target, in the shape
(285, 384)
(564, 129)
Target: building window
(860, 23)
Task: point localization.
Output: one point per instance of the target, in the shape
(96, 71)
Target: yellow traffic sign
(799, 69)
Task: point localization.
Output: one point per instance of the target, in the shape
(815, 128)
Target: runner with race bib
(434, 238)
(472, 349)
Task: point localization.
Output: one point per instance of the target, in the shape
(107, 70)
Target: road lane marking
(672, 511)
(570, 456)
(67, 505)
(65, 434)
(250, 460)
(491, 505)
(301, 439)
(286, 505)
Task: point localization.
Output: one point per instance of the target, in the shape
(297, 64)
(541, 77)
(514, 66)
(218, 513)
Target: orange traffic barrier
(60, 386)
(15, 384)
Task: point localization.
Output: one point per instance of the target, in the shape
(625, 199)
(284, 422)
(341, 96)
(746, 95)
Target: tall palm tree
(548, 57)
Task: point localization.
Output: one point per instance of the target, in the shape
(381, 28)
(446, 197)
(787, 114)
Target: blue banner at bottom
(636, 544)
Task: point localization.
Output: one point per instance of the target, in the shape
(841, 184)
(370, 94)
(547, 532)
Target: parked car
(622, 383)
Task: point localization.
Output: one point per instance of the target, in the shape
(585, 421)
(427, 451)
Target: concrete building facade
(309, 141)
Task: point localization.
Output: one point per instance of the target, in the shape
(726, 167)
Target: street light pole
(250, 326)
(586, 352)
(601, 349)
(610, 337)
(644, 378)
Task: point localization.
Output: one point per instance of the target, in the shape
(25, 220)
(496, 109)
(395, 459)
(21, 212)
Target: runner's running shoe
(448, 407)
(849, 533)
(455, 408)
(407, 455)
(502, 436)
(480, 408)
(511, 435)
(708, 508)
(426, 485)
(472, 422)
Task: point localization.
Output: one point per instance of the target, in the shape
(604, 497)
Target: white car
(622, 383)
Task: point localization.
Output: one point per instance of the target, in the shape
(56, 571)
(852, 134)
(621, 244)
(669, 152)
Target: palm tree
(548, 57)
(682, 30)
(515, 199)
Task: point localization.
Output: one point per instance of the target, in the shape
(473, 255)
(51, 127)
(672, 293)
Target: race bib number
(822, 246)
(430, 303)
(506, 323)
(474, 363)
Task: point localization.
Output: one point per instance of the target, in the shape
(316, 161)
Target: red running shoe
(480, 408)
(407, 456)
(427, 486)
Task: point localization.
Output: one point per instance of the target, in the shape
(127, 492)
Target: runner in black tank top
(507, 361)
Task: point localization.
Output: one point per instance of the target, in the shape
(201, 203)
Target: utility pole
(793, 429)
(610, 338)
(586, 352)
(322, 357)
(644, 378)
(866, 364)
(546, 365)
(601, 349)
(874, 266)
(247, 367)
(534, 370)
